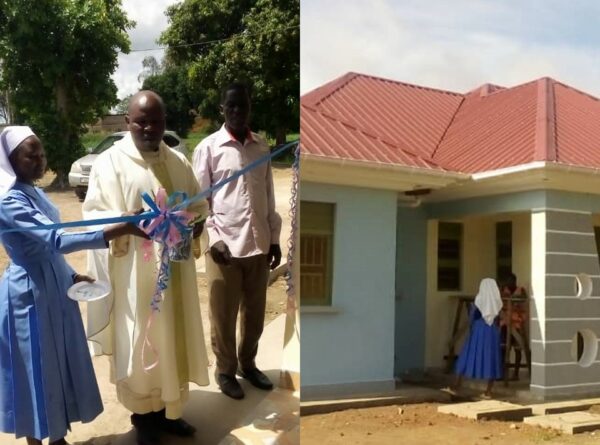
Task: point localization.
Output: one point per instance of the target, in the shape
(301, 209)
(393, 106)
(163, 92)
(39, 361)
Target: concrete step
(563, 407)
(569, 423)
(402, 396)
(487, 409)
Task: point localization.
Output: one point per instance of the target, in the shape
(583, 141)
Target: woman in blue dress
(480, 357)
(47, 380)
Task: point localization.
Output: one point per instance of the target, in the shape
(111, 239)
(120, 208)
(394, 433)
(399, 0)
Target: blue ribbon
(162, 230)
(145, 216)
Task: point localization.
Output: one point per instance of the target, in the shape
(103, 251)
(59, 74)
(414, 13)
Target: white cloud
(150, 22)
(454, 45)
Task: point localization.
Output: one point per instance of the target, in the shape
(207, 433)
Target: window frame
(459, 260)
(328, 264)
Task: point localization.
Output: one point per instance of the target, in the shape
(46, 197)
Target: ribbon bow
(171, 222)
(168, 227)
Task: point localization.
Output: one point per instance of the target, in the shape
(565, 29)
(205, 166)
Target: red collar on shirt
(233, 139)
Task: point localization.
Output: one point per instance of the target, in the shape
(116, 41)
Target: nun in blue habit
(46, 376)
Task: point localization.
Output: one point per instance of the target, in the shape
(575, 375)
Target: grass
(193, 139)
(90, 140)
(287, 157)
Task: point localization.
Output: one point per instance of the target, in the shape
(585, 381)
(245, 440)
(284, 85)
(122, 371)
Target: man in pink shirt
(243, 237)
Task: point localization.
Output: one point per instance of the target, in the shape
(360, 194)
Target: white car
(79, 175)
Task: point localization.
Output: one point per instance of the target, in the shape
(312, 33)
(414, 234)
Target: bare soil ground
(70, 210)
(421, 424)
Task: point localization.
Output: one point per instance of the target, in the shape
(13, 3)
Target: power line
(210, 42)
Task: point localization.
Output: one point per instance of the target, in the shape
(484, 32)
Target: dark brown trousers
(240, 287)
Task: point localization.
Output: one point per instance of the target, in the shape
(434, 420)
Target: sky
(150, 22)
(453, 45)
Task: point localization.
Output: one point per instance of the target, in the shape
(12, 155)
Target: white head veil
(10, 138)
(488, 300)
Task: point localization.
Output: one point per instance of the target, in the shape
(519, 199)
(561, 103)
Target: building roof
(334, 138)
(366, 118)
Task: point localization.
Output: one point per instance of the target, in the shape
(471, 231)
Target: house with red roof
(411, 195)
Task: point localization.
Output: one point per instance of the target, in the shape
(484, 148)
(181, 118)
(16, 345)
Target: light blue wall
(357, 343)
(510, 202)
(411, 287)
(515, 202)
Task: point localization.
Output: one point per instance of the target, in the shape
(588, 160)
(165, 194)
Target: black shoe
(257, 378)
(177, 427)
(230, 386)
(147, 432)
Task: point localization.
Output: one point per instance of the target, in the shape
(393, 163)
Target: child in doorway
(480, 357)
(509, 289)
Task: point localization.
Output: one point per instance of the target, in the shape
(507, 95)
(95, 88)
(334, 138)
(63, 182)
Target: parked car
(79, 175)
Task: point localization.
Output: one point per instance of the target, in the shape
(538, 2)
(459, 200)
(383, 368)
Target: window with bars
(316, 253)
(449, 256)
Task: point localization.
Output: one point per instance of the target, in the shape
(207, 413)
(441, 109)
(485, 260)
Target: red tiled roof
(367, 118)
(412, 117)
(491, 131)
(333, 138)
(577, 126)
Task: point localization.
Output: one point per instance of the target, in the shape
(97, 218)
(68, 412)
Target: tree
(151, 67)
(173, 86)
(4, 107)
(61, 53)
(256, 41)
(123, 105)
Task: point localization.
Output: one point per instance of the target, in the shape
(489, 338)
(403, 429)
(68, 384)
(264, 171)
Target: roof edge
(319, 94)
(386, 166)
(535, 165)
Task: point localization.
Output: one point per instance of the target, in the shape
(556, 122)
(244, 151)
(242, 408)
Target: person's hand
(197, 231)
(78, 278)
(125, 228)
(274, 256)
(220, 253)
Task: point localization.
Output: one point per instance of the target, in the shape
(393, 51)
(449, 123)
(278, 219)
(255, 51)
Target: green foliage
(90, 140)
(172, 85)
(58, 57)
(123, 105)
(264, 52)
(193, 139)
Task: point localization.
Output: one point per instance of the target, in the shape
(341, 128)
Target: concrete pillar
(565, 301)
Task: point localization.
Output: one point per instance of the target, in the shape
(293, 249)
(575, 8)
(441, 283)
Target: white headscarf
(10, 138)
(488, 300)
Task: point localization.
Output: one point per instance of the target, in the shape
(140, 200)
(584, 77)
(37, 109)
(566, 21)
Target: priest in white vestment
(142, 162)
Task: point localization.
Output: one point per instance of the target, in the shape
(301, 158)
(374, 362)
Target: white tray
(84, 291)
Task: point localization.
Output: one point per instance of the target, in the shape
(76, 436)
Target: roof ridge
(338, 83)
(374, 136)
(507, 89)
(577, 90)
(329, 88)
(485, 89)
(545, 122)
(412, 85)
(447, 127)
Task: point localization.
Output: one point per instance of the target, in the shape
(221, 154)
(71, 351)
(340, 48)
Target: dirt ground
(421, 424)
(114, 415)
(70, 210)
